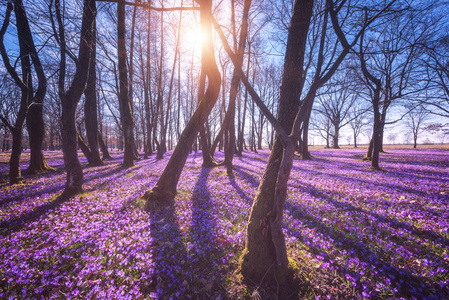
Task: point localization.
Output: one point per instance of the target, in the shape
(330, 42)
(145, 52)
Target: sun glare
(194, 38)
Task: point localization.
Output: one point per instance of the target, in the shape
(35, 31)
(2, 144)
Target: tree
(265, 245)
(126, 116)
(228, 123)
(31, 103)
(90, 105)
(165, 188)
(71, 97)
(414, 122)
(441, 128)
(357, 115)
(335, 103)
(387, 64)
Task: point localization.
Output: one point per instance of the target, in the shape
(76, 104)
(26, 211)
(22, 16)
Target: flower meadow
(354, 233)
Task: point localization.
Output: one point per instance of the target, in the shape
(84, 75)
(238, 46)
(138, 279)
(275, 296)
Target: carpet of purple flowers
(354, 233)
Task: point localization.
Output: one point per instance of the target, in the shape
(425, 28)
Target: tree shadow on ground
(18, 222)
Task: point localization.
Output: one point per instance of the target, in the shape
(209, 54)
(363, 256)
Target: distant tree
(438, 128)
(389, 56)
(335, 102)
(322, 124)
(392, 137)
(357, 115)
(414, 122)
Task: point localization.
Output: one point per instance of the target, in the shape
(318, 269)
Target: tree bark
(90, 107)
(229, 119)
(124, 101)
(34, 120)
(85, 149)
(103, 147)
(70, 99)
(259, 254)
(147, 97)
(15, 175)
(165, 188)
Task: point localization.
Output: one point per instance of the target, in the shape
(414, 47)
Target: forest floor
(354, 233)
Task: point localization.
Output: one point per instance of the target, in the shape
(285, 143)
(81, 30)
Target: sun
(193, 38)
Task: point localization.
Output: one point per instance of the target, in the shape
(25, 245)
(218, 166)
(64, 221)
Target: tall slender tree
(165, 188)
(71, 97)
(124, 100)
(31, 105)
(90, 106)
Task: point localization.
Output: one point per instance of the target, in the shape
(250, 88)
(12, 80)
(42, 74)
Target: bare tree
(126, 116)
(388, 68)
(165, 188)
(71, 97)
(31, 102)
(335, 103)
(415, 120)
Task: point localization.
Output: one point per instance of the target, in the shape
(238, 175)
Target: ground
(353, 233)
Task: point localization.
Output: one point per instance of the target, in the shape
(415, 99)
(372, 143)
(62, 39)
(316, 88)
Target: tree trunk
(377, 131)
(147, 76)
(85, 149)
(36, 132)
(69, 100)
(259, 255)
(305, 154)
(336, 136)
(124, 101)
(229, 119)
(34, 120)
(369, 152)
(90, 108)
(103, 147)
(15, 175)
(165, 189)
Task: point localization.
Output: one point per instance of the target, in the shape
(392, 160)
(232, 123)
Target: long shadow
(239, 190)
(345, 206)
(203, 223)
(170, 254)
(340, 177)
(406, 282)
(357, 168)
(87, 178)
(246, 176)
(17, 223)
(184, 256)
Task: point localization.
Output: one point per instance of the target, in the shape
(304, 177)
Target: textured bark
(229, 119)
(17, 131)
(103, 147)
(147, 91)
(15, 175)
(304, 151)
(90, 108)
(124, 101)
(70, 99)
(34, 120)
(165, 188)
(259, 254)
(85, 149)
